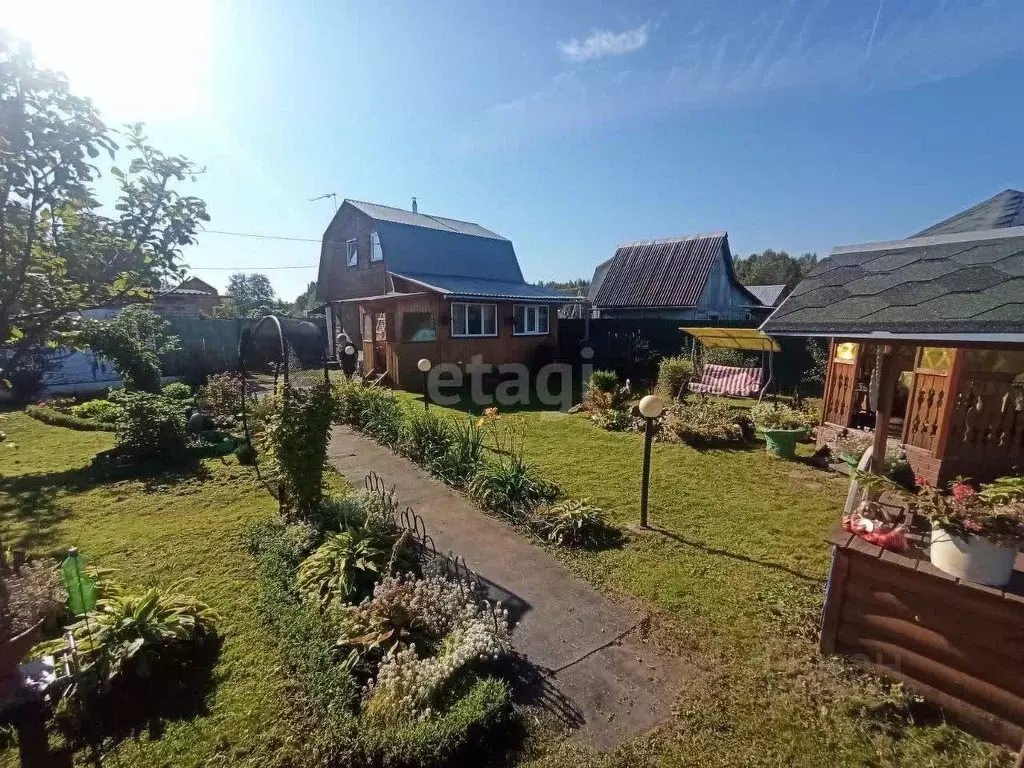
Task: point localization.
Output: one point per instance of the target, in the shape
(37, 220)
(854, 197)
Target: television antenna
(332, 195)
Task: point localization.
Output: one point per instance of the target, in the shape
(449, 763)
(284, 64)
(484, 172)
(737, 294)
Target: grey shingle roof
(767, 294)
(660, 273)
(399, 216)
(1003, 210)
(961, 283)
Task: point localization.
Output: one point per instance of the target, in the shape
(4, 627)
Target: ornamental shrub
(151, 426)
(700, 421)
(574, 523)
(133, 342)
(178, 390)
(221, 399)
(780, 416)
(674, 374)
(101, 411)
(604, 381)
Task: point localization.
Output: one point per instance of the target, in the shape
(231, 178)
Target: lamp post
(650, 408)
(424, 366)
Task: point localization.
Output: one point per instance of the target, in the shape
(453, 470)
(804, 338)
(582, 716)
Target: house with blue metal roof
(407, 285)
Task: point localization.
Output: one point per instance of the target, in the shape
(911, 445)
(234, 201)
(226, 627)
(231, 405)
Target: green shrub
(336, 513)
(604, 381)
(382, 417)
(674, 374)
(459, 464)
(133, 342)
(345, 567)
(702, 420)
(245, 452)
(150, 426)
(295, 445)
(54, 417)
(428, 437)
(574, 523)
(510, 487)
(178, 390)
(102, 411)
(221, 398)
(613, 419)
(780, 416)
(731, 357)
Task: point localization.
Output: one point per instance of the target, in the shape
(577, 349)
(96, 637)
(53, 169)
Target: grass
(157, 531)
(734, 575)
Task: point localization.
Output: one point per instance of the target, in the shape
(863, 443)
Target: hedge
(59, 419)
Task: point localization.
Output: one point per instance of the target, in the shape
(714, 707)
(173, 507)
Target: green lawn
(734, 575)
(157, 532)
(732, 578)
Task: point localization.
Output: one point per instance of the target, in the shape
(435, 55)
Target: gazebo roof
(965, 286)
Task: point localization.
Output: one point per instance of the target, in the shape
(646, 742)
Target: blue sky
(568, 127)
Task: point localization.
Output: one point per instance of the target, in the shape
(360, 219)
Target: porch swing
(729, 379)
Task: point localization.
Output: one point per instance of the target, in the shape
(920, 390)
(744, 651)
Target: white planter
(976, 559)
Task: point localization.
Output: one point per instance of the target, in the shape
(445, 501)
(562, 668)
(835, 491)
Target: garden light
(651, 408)
(424, 366)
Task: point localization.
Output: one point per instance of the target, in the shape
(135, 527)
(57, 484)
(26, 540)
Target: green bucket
(782, 442)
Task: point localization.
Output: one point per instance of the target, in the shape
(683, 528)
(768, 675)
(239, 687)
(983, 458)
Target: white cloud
(603, 42)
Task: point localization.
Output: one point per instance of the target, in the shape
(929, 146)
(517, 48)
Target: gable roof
(949, 286)
(454, 287)
(400, 216)
(191, 287)
(662, 273)
(1003, 210)
(768, 295)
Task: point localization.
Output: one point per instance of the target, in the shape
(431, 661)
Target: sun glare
(137, 59)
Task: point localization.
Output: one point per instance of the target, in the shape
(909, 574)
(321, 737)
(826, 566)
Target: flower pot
(781, 442)
(12, 651)
(975, 559)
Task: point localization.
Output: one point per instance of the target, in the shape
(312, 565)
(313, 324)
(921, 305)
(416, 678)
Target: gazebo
(926, 345)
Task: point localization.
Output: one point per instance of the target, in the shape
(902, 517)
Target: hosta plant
(573, 523)
(345, 567)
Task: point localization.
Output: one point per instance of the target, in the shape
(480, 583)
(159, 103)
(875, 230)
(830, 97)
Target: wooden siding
(344, 282)
(954, 642)
(506, 347)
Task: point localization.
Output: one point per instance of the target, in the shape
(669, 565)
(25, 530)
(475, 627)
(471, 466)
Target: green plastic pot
(782, 442)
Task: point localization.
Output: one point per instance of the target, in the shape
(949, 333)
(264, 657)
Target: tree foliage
(58, 253)
(249, 295)
(770, 267)
(133, 342)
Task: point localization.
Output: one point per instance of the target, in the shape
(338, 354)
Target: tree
(58, 254)
(250, 295)
(133, 342)
(307, 301)
(772, 267)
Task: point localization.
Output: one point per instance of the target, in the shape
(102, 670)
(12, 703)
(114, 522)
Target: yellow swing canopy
(749, 339)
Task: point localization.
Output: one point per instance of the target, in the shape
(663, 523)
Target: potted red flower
(975, 534)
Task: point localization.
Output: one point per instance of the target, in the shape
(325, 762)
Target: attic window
(351, 252)
(376, 254)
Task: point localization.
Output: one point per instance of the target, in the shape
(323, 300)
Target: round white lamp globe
(349, 349)
(423, 364)
(651, 407)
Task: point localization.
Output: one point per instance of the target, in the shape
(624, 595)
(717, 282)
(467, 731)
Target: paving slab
(583, 646)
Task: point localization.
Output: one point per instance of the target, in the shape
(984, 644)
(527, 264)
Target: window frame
(376, 251)
(352, 252)
(536, 311)
(465, 334)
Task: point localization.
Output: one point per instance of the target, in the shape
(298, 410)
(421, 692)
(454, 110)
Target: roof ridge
(439, 219)
(999, 233)
(679, 239)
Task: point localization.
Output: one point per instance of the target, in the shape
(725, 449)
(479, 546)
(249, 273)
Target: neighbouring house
(927, 347)
(406, 286)
(192, 298)
(685, 278)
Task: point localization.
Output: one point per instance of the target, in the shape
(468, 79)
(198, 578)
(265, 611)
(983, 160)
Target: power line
(261, 236)
(253, 269)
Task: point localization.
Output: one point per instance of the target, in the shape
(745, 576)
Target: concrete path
(589, 665)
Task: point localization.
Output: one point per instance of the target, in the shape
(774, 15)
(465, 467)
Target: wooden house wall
(955, 643)
(506, 347)
(344, 282)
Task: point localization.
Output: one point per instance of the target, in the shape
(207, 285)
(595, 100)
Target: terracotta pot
(975, 559)
(12, 651)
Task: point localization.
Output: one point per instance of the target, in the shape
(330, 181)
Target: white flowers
(458, 629)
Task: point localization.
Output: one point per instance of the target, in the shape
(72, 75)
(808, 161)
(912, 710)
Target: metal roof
(661, 273)
(469, 287)
(734, 338)
(953, 285)
(768, 295)
(998, 212)
(442, 223)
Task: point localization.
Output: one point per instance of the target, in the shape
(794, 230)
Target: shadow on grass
(138, 706)
(734, 556)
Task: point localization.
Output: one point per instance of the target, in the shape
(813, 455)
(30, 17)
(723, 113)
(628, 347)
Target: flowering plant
(995, 513)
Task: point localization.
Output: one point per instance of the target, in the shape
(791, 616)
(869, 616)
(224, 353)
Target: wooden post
(884, 369)
(956, 367)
